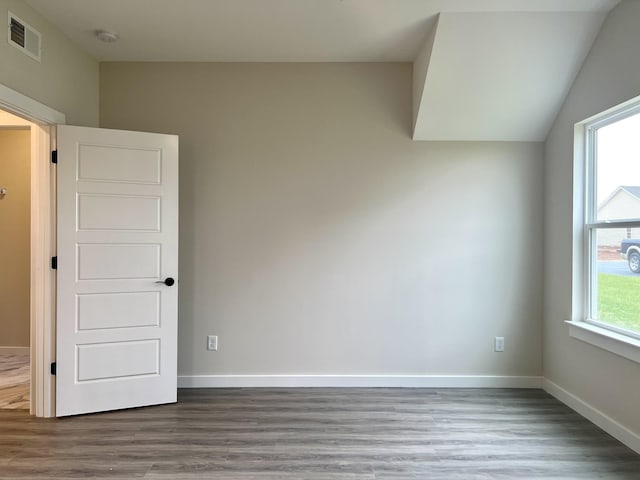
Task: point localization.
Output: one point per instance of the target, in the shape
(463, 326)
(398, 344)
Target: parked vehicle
(630, 251)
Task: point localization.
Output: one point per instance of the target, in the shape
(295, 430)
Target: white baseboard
(402, 381)
(14, 350)
(606, 423)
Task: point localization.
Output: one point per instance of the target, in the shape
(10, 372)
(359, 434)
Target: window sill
(613, 342)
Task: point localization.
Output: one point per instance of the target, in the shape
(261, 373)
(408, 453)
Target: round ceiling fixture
(106, 36)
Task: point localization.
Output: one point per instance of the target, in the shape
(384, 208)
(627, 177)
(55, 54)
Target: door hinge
(53, 368)
(54, 156)
(54, 263)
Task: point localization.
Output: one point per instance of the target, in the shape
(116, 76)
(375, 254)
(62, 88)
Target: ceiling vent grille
(24, 37)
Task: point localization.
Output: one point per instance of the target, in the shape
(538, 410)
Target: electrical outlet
(212, 342)
(499, 344)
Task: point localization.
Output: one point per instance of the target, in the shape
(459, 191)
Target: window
(612, 221)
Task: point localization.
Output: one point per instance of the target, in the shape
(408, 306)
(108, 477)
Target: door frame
(43, 218)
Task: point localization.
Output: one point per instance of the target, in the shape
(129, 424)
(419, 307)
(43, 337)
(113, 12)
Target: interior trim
(14, 350)
(397, 381)
(621, 345)
(605, 422)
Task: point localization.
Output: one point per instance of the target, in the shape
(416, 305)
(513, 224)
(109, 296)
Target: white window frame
(585, 226)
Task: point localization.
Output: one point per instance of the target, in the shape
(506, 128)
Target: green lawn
(619, 301)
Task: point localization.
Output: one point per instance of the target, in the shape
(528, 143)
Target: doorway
(15, 282)
(43, 253)
(43, 120)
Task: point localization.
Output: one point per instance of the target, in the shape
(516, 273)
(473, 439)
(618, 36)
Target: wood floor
(310, 434)
(14, 382)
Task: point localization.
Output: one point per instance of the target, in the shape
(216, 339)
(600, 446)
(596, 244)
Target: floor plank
(355, 434)
(14, 382)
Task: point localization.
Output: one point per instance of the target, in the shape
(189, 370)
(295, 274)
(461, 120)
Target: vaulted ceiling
(483, 69)
(498, 76)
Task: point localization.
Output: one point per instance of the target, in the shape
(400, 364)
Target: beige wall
(318, 238)
(67, 78)
(14, 237)
(610, 75)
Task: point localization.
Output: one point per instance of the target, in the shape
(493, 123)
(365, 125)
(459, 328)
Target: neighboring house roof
(632, 190)
(635, 191)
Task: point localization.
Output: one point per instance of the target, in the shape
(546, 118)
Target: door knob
(167, 281)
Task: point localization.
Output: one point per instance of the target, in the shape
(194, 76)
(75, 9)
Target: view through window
(613, 222)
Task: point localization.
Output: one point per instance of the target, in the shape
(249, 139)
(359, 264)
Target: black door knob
(167, 281)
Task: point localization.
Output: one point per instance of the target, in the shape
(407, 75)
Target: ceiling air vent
(24, 37)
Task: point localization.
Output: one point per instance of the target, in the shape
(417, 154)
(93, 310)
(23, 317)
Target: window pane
(617, 283)
(618, 169)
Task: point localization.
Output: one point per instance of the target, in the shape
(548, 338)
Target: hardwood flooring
(14, 382)
(355, 434)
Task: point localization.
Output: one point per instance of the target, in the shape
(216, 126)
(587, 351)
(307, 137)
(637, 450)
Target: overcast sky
(618, 156)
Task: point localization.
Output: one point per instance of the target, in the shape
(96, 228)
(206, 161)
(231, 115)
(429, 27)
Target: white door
(117, 300)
